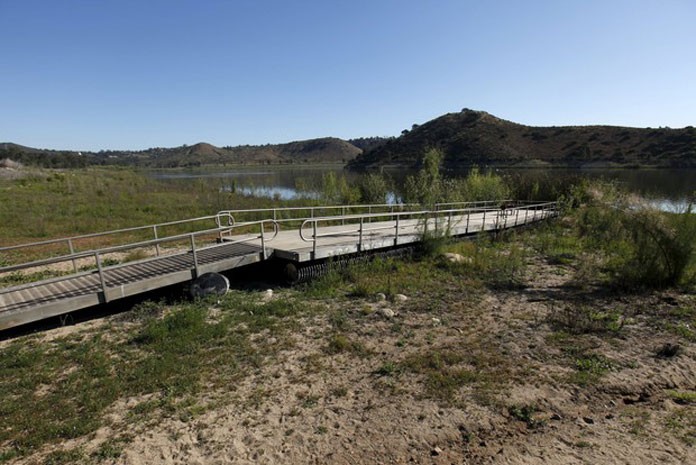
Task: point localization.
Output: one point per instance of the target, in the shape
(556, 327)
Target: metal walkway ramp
(298, 235)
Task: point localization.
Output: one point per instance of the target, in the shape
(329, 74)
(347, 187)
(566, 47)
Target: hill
(323, 150)
(478, 138)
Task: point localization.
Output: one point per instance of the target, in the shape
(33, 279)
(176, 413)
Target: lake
(670, 188)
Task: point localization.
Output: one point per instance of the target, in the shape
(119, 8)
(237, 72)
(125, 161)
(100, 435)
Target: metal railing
(394, 220)
(341, 212)
(98, 254)
(227, 224)
(71, 241)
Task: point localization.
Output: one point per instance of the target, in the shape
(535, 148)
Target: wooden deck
(317, 238)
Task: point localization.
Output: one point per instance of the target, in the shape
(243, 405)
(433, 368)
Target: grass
(682, 423)
(590, 368)
(97, 370)
(583, 319)
(526, 414)
(446, 370)
(499, 263)
(139, 355)
(683, 397)
(54, 203)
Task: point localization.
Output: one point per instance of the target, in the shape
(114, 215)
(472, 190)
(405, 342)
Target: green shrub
(425, 187)
(428, 186)
(373, 188)
(643, 247)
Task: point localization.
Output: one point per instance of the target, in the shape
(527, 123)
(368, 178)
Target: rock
(556, 417)
(209, 284)
(436, 321)
(456, 258)
(588, 420)
(436, 451)
(267, 295)
(400, 298)
(387, 312)
(380, 296)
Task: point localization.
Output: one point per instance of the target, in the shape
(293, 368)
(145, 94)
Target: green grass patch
(683, 397)
(446, 370)
(590, 368)
(526, 414)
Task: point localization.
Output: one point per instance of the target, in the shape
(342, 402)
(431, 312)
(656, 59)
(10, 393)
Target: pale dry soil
(364, 405)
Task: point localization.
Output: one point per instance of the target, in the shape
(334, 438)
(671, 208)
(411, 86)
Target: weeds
(590, 368)
(500, 264)
(525, 414)
(583, 319)
(169, 357)
(683, 397)
(340, 343)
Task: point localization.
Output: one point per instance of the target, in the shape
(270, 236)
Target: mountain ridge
(473, 137)
(319, 150)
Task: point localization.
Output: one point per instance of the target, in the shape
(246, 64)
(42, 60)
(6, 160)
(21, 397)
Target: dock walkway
(295, 235)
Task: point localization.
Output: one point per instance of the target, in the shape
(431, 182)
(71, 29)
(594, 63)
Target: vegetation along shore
(567, 342)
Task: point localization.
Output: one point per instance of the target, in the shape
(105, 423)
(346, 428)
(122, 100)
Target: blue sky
(91, 75)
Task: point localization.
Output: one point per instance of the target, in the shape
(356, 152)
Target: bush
(425, 187)
(373, 188)
(476, 186)
(428, 186)
(643, 247)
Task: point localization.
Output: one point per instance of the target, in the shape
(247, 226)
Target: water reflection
(670, 189)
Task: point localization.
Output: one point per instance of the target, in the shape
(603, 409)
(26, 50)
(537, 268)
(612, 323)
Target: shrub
(335, 190)
(643, 247)
(425, 187)
(374, 188)
(428, 186)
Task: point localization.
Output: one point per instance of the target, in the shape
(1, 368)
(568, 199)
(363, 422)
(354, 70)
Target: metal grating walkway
(317, 233)
(44, 299)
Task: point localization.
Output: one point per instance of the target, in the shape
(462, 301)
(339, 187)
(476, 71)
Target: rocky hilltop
(479, 138)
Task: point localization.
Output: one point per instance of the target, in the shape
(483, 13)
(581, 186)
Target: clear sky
(92, 75)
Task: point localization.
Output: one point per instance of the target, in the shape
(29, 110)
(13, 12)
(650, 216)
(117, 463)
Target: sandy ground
(310, 406)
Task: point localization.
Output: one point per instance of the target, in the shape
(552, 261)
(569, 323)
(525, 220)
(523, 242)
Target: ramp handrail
(98, 253)
(313, 209)
(69, 241)
(428, 214)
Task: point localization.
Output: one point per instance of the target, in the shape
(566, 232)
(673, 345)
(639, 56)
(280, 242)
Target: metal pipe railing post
(483, 225)
(360, 237)
(263, 242)
(314, 240)
(194, 254)
(396, 232)
(468, 216)
(343, 214)
(102, 279)
(157, 246)
(526, 213)
(517, 215)
(72, 251)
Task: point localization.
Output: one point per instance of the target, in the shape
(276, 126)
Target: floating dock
(296, 236)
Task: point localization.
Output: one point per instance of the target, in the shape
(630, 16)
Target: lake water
(669, 188)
